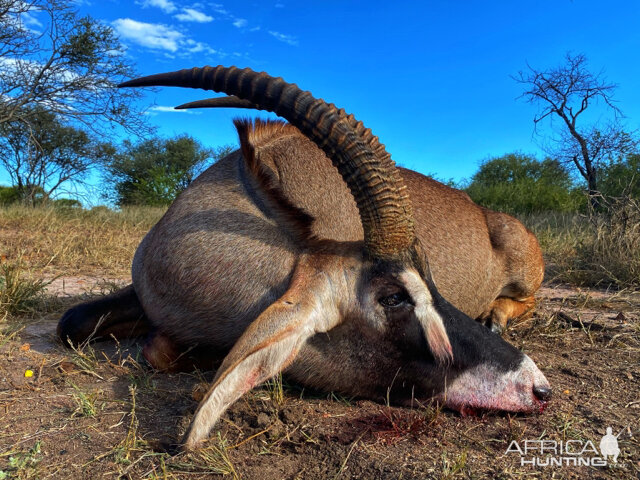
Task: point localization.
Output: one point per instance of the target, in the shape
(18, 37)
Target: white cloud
(192, 46)
(152, 35)
(30, 21)
(166, 109)
(193, 15)
(219, 8)
(290, 39)
(160, 37)
(240, 23)
(167, 6)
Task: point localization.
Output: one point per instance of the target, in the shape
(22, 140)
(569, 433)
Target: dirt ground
(100, 412)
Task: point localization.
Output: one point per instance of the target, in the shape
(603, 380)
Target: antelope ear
(268, 346)
(428, 316)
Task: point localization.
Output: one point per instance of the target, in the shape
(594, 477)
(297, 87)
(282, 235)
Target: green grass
(86, 403)
(19, 291)
(23, 464)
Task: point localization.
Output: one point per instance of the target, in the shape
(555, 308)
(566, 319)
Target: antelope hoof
(495, 327)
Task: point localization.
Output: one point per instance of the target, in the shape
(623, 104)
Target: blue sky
(431, 79)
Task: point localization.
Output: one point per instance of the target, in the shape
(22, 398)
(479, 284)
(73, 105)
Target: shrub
(622, 178)
(521, 184)
(67, 203)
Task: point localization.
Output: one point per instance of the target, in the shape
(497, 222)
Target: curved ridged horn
(379, 192)
(231, 101)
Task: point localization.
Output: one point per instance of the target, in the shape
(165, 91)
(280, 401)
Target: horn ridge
(383, 203)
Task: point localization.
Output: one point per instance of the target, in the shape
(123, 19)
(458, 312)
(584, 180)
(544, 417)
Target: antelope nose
(542, 393)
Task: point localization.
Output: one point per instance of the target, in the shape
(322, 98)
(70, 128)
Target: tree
(518, 183)
(565, 93)
(14, 195)
(155, 171)
(53, 59)
(42, 155)
(622, 178)
(13, 34)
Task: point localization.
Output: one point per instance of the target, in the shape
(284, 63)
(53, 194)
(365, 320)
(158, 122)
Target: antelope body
(287, 263)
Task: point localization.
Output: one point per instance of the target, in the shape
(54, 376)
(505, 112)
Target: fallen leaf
(66, 367)
(199, 391)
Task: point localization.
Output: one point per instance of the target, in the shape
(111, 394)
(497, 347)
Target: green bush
(15, 194)
(521, 184)
(9, 195)
(621, 178)
(67, 203)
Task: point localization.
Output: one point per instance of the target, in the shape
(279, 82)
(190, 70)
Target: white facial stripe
(427, 315)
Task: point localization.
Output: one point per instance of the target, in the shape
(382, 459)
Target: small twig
(346, 459)
(578, 323)
(252, 436)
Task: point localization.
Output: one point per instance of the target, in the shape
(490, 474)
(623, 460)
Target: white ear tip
(438, 340)
(428, 316)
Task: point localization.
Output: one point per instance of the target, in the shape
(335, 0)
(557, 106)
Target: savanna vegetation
(98, 411)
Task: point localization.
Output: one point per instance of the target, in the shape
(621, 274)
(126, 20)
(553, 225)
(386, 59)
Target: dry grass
(99, 412)
(600, 250)
(19, 291)
(597, 250)
(74, 241)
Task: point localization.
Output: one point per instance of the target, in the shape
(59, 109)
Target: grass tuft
(596, 250)
(275, 389)
(19, 293)
(86, 405)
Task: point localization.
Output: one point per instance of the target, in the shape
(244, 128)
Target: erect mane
(254, 134)
(260, 132)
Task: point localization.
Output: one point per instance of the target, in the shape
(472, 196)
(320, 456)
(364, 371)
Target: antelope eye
(395, 300)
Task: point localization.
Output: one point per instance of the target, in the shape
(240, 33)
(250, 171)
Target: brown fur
(253, 135)
(262, 257)
(476, 255)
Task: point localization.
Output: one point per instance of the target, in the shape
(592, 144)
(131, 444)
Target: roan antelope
(268, 258)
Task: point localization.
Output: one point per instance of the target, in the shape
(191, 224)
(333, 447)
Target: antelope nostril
(542, 393)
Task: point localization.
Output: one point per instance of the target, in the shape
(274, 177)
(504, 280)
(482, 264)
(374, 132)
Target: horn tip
(130, 83)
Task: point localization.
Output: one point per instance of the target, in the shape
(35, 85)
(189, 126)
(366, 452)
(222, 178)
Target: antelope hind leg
(164, 354)
(503, 309)
(119, 314)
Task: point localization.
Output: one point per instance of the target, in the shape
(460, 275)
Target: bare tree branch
(42, 154)
(566, 92)
(71, 67)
